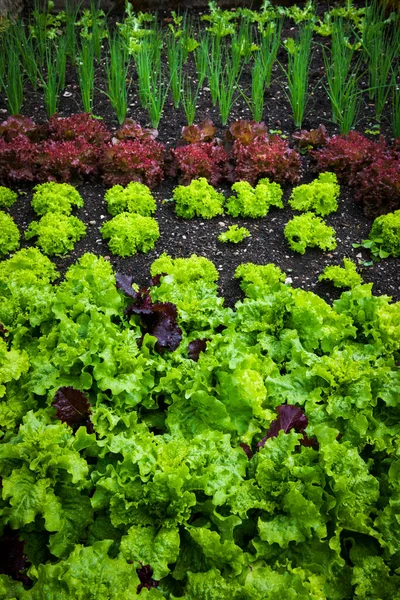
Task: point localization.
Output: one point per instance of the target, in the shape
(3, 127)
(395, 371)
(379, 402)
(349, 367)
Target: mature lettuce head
(57, 233)
(319, 196)
(7, 197)
(55, 197)
(129, 233)
(198, 199)
(28, 264)
(9, 234)
(307, 230)
(254, 202)
(134, 198)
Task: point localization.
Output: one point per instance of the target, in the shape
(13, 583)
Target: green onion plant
(85, 72)
(55, 79)
(214, 68)
(228, 86)
(395, 93)
(25, 43)
(342, 79)
(175, 54)
(189, 100)
(381, 43)
(299, 59)
(71, 16)
(201, 57)
(117, 67)
(258, 80)
(13, 79)
(269, 42)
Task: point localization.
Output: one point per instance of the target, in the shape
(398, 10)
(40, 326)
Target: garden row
(79, 147)
(231, 54)
(133, 229)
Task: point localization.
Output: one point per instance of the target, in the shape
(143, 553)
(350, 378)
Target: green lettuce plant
(129, 233)
(254, 202)
(7, 197)
(342, 277)
(198, 199)
(234, 234)
(9, 234)
(55, 197)
(56, 233)
(134, 198)
(307, 230)
(28, 265)
(319, 196)
(235, 466)
(384, 236)
(258, 275)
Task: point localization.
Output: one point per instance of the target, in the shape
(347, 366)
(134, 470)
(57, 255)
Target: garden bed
(205, 420)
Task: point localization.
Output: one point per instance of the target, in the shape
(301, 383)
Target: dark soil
(181, 238)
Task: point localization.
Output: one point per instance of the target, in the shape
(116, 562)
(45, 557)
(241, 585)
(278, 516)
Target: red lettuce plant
(65, 161)
(266, 156)
(245, 132)
(203, 132)
(79, 126)
(18, 125)
(133, 160)
(72, 407)
(200, 159)
(131, 130)
(347, 155)
(18, 160)
(310, 139)
(378, 186)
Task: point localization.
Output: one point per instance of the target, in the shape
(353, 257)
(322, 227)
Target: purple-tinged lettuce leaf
(3, 331)
(145, 574)
(158, 320)
(247, 450)
(124, 283)
(195, 347)
(12, 557)
(290, 417)
(72, 407)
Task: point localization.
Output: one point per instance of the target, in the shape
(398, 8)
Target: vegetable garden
(199, 304)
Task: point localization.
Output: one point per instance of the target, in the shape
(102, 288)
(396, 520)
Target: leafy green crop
(57, 233)
(254, 202)
(345, 276)
(134, 198)
(9, 234)
(257, 460)
(307, 230)
(234, 234)
(319, 196)
(198, 199)
(7, 197)
(55, 197)
(129, 233)
(384, 237)
(259, 275)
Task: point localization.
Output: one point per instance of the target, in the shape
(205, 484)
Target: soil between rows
(181, 237)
